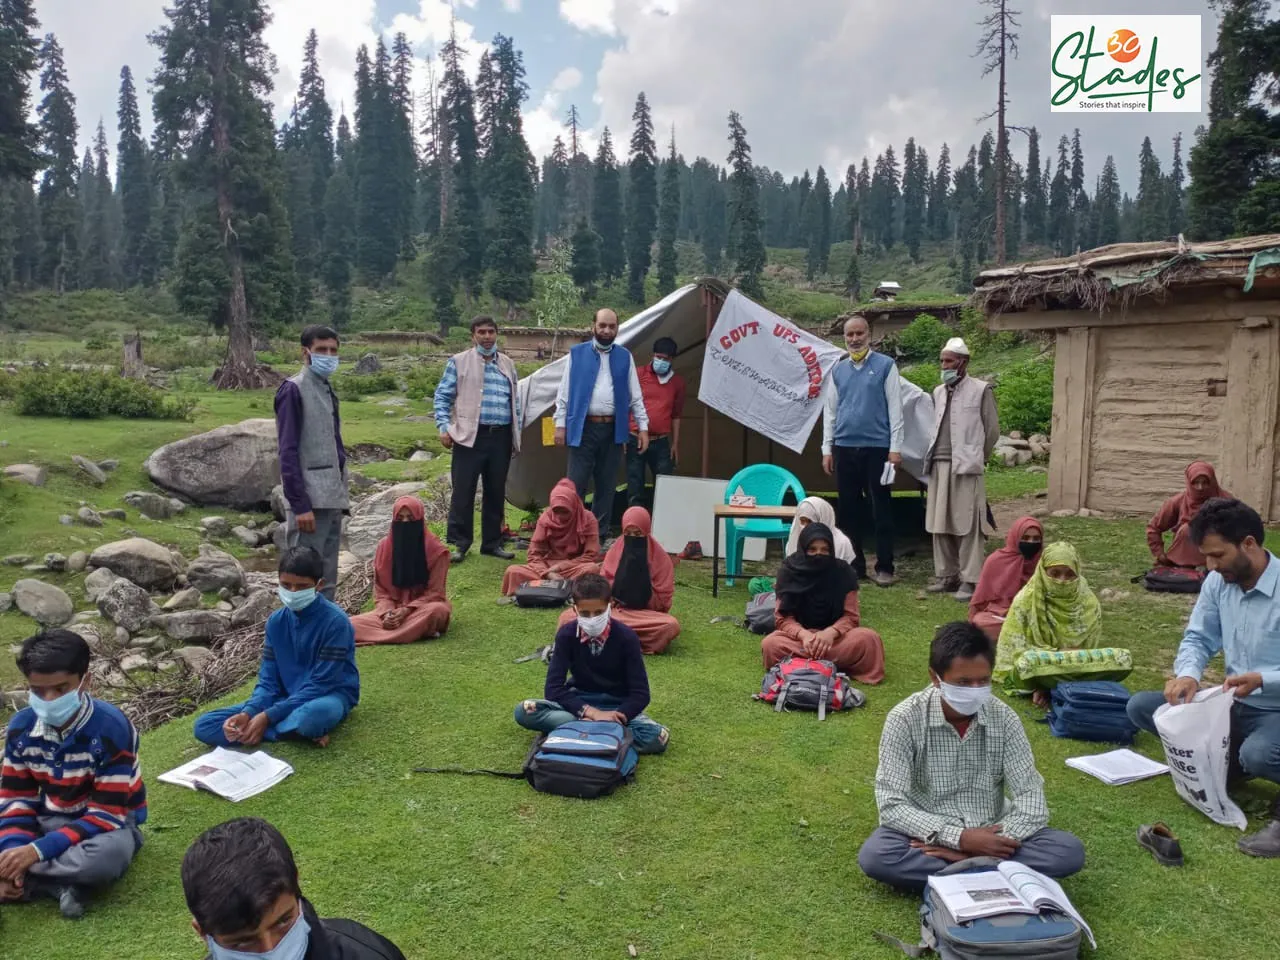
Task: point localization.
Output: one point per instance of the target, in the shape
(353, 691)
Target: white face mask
(966, 701)
(594, 626)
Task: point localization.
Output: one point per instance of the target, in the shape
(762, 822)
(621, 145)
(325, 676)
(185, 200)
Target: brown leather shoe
(1164, 846)
(938, 585)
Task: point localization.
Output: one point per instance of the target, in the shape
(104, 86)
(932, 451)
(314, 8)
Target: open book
(229, 774)
(1009, 888)
(1118, 767)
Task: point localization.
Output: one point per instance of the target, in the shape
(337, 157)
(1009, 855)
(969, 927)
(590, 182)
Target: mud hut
(1166, 353)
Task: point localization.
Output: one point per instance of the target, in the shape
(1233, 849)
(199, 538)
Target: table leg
(715, 559)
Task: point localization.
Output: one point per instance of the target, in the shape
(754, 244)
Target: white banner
(765, 372)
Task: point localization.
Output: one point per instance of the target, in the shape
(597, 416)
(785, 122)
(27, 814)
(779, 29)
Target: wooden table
(722, 512)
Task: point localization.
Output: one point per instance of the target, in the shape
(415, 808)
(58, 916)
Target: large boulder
(232, 466)
(213, 570)
(260, 605)
(127, 605)
(97, 583)
(153, 505)
(371, 519)
(43, 602)
(147, 564)
(279, 505)
(200, 626)
(27, 473)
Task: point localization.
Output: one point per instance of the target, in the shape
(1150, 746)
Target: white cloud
(567, 79)
(591, 16)
(548, 120)
(342, 26)
(511, 6)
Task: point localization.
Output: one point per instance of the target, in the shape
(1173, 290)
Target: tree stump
(133, 368)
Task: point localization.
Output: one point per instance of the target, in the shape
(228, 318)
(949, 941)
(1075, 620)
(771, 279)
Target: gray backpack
(760, 616)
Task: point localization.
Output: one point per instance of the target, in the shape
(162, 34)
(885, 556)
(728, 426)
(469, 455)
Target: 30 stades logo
(1114, 62)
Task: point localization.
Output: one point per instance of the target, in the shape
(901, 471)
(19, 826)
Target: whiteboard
(682, 511)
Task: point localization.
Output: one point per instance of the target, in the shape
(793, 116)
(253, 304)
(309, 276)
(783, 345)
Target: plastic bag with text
(1197, 747)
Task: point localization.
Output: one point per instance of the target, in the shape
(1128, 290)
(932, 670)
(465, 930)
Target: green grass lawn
(740, 842)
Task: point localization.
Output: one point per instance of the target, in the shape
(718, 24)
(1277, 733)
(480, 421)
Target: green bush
(91, 396)
(353, 386)
(973, 327)
(8, 386)
(924, 338)
(1024, 395)
(423, 381)
(926, 376)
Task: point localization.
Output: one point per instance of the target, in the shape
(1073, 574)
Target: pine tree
(19, 56)
(309, 163)
(585, 263)
(999, 40)
(510, 185)
(966, 197)
(818, 226)
(745, 238)
(465, 219)
(915, 171)
(1153, 207)
(711, 211)
(339, 245)
(1175, 191)
(1079, 198)
(882, 211)
(642, 199)
(939, 198)
(986, 197)
(1061, 228)
(378, 183)
(668, 222)
(1013, 212)
(26, 233)
(580, 175)
(1036, 212)
(853, 208)
(553, 196)
(234, 264)
(97, 269)
(60, 213)
(853, 277)
(404, 154)
(1106, 204)
(133, 181)
(606, 210)
(344, 144)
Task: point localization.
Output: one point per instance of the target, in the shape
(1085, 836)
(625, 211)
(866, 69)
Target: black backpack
(1171, 580)
(543, 593)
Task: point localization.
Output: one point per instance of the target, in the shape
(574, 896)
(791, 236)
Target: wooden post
(133, 368)
(1072, 418)
(1249, 420)
(706, 411)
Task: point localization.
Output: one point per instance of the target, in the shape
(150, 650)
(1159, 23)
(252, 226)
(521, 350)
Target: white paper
(1010, 888)
(888, 475)
(1038, 890)
(230, 774)
(1118, 767)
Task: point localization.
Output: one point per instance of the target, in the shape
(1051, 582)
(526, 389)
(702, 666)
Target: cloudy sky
(816, 81)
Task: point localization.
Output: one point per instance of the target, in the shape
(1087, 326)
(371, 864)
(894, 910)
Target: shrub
(91, 396)
(973, 327)
(353, 386)
(1024, 395)
(924, 338)
(423, 381)
(926, 376)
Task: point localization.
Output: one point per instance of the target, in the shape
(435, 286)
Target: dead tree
(999, 40)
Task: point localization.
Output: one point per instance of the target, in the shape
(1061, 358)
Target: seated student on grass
(817, 611)
(565, 543)
(1176, 514)
(957, 779)
(71, 790)
(409, 574)
(1004, 573)
(596, 672)
(1237, 614)
(241, 886)
(1054, 631)
(644, 581)
(308, 682)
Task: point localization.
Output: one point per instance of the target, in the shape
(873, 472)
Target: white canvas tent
(686, 315)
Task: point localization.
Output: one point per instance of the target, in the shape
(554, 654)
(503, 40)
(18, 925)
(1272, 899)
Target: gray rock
(195, 625)
(147, 564)
(146, 643)
(224, 607)
(27, 473)
(97, 582)
(135, 661)
(1006, 455)
(359, 482)
(1038, 438)
(122, 637)
(251, 524)
(260, 605)
(237, 602)
(114, 515)
(372, 516)
(414, 418)
(214, 570)
(36, 568)
(1015, 435)
(89, 517)
(225, 594)
(279, 505)
(215, 526)
(107, 466)
(1063, 513)
(194, 657)
(250, 538)
(92, 636)
(188, 599)
(348, 563)
(77, 562)
(421, 456)
(369, 363)
(234, 466)
(127, 605)
(43, 602)
(1040, 470)
(6, 602)
(90, 469)
(66, 520)
(17, 560)
(55, 563)
(1022, 457)
(154, 505)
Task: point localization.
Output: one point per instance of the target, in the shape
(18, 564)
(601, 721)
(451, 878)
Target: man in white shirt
(861, 432)
(599, 394)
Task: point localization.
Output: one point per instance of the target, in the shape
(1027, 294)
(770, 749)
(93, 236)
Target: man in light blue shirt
(1238, 613)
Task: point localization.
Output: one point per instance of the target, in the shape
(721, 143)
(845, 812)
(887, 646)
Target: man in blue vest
(599, 393)
(861, 432)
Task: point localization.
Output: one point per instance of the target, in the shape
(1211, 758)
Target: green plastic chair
(769, 484)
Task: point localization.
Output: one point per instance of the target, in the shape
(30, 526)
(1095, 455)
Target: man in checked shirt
(957, 779)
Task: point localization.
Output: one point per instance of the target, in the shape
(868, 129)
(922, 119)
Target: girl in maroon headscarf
(1176, 514)
(566, 542)
(409, 573)
(1004, 573)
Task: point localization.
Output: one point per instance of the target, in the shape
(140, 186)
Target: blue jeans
(1255, 734)
(312, 720)
(545, 715)
(596, 460)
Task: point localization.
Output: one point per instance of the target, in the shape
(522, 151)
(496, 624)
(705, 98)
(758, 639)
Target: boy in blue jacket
(596, 672)
(308, 682)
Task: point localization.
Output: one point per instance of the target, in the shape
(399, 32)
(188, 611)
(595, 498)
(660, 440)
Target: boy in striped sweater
(71, 791)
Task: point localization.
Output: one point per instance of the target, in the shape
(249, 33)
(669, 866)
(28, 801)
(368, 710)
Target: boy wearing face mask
(957, 778)
(71, 791)
(313, 463)
(663, 392)
(308, 681)
(596, 673)
(241, 886)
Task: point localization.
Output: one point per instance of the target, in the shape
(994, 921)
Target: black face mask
(1028, 550)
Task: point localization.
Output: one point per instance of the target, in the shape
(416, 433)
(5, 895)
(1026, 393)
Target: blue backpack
(582, 758)
(1091, 710)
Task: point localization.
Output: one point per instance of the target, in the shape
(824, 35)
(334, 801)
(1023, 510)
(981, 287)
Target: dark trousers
(488, 458)
(861, 494)
(657, 459)
(595, 462)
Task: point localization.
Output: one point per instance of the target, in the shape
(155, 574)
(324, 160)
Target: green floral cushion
(1044, 669)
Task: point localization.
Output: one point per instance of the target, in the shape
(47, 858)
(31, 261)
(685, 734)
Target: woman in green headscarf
(1054, 631)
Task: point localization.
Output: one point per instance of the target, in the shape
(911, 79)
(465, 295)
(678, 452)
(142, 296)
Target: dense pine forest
(250, 225)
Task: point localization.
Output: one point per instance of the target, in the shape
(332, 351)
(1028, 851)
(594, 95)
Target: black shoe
(1164, 846)
(71, 902)
(500, 553)
(457, 556)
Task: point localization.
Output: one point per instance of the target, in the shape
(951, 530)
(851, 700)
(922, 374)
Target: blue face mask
(487, 351)
(661, 367)
(950, 376)
(292, 947)
(297, 600)
(57, 712)
(323, 366)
